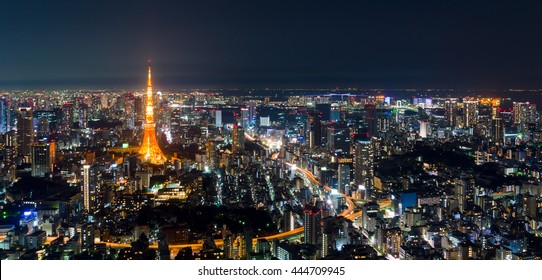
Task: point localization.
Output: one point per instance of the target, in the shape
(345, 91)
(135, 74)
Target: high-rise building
(68, 115)
(524, 114)
(312, 217)
(47, 119)
(210, 149)
(244, 117)
(42, 159)
(150, 150)
(370, 120)
(497, 130)
(338, 138)
(4, 115)
(218, 118)
(344, 177)
(289, 220)
(363, 166)
(424, 128)
(450, 107)
(461, 194)
(325, 110)
(129, 110)
(251, 114)
(238, 139)
(314, 126)
(25, 132)
(9, 147)
(530, 205)
(370, 211)
(86, 188)
(42, 128)
(470, 113)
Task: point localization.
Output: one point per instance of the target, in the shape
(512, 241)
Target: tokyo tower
(150, 151)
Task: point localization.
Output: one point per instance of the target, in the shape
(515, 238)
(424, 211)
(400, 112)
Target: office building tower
(42, 159)
(251, 114)
(363, 166)
(9, 147)
(218, 118)
(244, 117)
(470, 113)
(460, 194)
(344, 177)
(312, 217)
(129, 110)
(424, 128)
(524, 112)
(86, 188)
(4, 115)
(325, 110)
(524, 115)
(42, 128)
(210, 149)
(314, 131)
(289, 220)
(338, 138)
(497, 133)
(25, 132)
(530, 205)
(450, 113)
(238, 139)
(369, 119)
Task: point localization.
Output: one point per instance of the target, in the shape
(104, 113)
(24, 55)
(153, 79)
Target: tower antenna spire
(149, 80)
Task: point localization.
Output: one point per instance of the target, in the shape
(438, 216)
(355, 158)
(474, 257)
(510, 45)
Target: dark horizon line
(233, 88)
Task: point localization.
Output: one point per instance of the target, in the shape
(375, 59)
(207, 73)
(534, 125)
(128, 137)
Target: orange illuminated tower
(149, 150)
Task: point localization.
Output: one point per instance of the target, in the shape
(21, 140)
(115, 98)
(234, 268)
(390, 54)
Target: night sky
(275, 44)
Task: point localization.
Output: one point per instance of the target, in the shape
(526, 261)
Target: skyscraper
(25, 132)
(450, 107)
(289, 220)
(251, 114)
(338, 138)
(9, 147)
(470, 113)
(312, 217)
(369, 118)
(461, 194)
(497, 130)
(314, 125)
(343, 174)
(218, 118)
(424, 128)
(42, 159)
(150, 150)
(238, 139)
(244, 117)
(4, 115)
(524, 114)
(363, 165)
(86, 187)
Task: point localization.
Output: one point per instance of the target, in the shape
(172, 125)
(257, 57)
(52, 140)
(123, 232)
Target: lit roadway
(292, 234)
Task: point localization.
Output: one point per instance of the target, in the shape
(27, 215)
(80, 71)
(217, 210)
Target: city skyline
(279, 44)
(270, 130)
